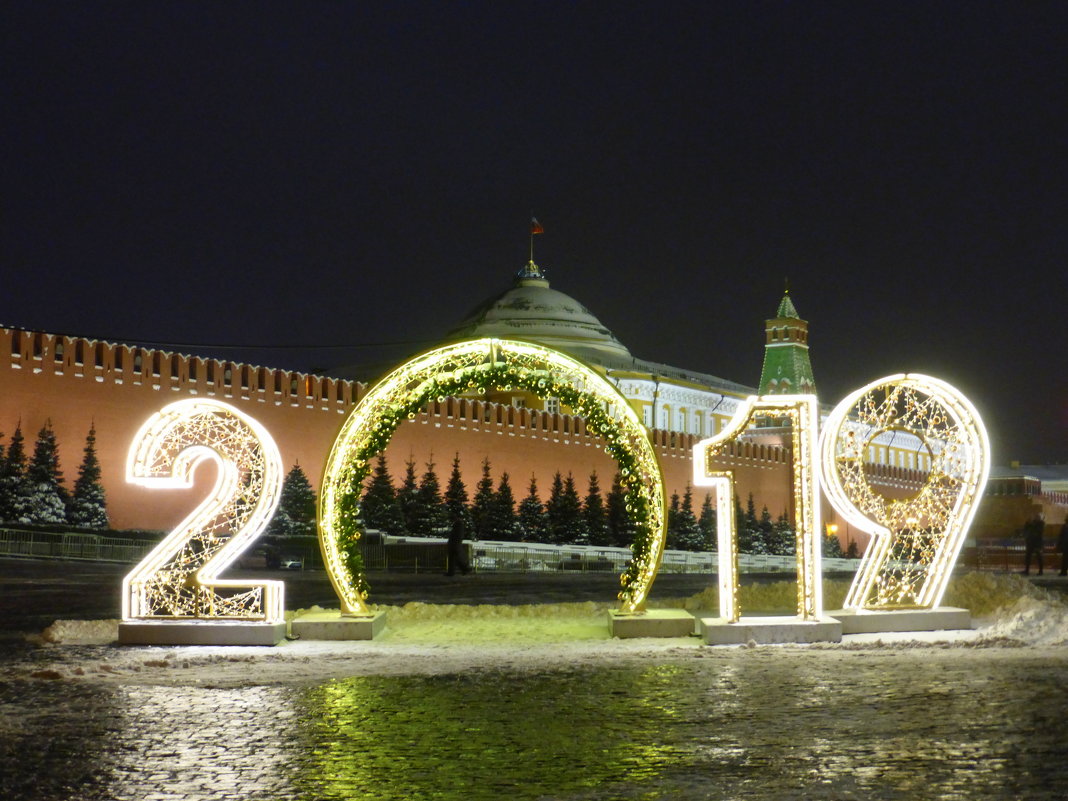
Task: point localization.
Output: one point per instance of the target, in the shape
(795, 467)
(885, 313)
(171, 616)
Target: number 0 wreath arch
(477, 365)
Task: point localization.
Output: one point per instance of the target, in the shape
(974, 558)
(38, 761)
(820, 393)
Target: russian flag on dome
(535, 226)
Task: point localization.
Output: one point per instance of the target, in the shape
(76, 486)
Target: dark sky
(346, 174)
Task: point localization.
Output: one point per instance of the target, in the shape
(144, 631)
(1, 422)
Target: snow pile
(79, 632)
(1033, 621)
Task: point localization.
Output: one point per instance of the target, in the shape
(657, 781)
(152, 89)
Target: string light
(179, 579)
(802, 413)
(477, 366)
(916, 540)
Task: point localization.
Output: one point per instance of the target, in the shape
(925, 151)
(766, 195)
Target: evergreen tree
(564, 508)
(47, 495)
(766, 529)
(456, 495)
(88, 507)
(748, 532)
(14, 491)
(672, 542)
(707, 524)
(408, 496)
(553, 511)
(687, 529)
(295, 515)
(621, 528)
(483, 503)
(593, 510)
(532, 520)
(501, 514)
(785, 543)
(380, 508)
(832, 547)
(431, 516)
(5, 500)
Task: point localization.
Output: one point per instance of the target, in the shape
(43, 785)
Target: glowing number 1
(801, 411)
(179, 579)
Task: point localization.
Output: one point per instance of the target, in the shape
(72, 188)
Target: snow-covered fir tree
(47, 496)
(431, 517)
(14, 490)
(88, 505)
(565, 518)
(408, 495)
(502, 520)
(748, 528)
(621, 528)
(456, 496)
(766, 529)
(672, 523)
(594, 513)
(482, 504)
(379, 507)
(832, 548)
(687, 530)
(707, 524)
(784, 541)
(532, 520)
(295, 515)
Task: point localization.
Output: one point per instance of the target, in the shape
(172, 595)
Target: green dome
(532, 311)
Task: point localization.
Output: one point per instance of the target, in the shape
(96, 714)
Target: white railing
(71, 545)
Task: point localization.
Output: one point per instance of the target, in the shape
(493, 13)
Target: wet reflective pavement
(721, 723)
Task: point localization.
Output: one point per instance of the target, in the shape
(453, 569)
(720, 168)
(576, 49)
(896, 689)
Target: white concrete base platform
(336, 626)
(651, 623)
(200, 632)
(769, 630)
(867, 621)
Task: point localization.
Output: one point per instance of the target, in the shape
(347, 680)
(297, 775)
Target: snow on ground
(431, 639)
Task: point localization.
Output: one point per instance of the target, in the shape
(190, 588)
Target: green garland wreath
(506, 377)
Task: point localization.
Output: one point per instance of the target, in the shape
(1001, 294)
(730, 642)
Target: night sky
(320, 179)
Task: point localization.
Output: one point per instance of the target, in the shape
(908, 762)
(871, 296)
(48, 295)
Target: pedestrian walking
(1032, 533)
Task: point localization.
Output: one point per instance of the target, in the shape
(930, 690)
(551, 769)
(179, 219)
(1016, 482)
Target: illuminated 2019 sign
(916, 540)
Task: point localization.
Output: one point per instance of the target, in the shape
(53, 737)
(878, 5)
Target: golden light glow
(801, 411)
(916, 540)
(179, 579)
(477, 365)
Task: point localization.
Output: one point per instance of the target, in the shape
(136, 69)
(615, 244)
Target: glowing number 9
(179, 580)
(915, 540)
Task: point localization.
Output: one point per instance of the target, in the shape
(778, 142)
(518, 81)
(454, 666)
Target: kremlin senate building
(79, 384)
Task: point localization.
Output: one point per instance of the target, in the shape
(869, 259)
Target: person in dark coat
(1032, 531)
(1062, 546)
(457, 556)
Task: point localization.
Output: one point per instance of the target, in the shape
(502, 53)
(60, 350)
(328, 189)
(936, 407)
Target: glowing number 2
(801, 411)
(915, 540)
(179, 580)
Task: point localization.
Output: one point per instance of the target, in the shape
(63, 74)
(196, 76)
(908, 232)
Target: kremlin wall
(79, 383)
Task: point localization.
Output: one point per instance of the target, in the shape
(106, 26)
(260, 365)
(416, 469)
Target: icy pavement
(538, 702)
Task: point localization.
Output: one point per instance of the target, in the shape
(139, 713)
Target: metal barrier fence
(487, 556)
(1009, 555)
(407, 554)
(71, 545)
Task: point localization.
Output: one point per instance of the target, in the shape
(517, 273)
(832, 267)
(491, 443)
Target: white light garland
(802, 412)
(179, 579)
(916, 540)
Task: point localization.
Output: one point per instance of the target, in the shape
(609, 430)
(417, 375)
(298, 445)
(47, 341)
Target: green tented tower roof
(787, 369)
